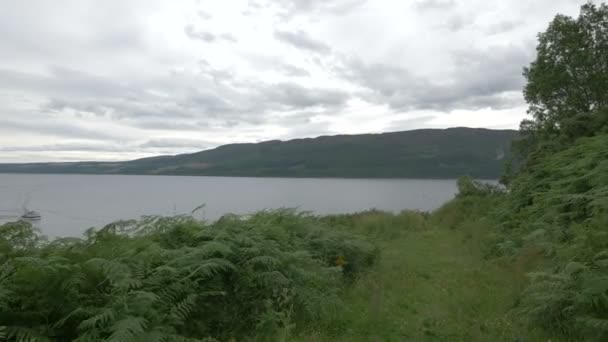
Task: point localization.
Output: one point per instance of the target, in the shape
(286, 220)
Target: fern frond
(211, 267)
(127, 329)
(215, 248)
(265, 261)
(22, 334)
(102, 319)
(183, 308)
(595, 323)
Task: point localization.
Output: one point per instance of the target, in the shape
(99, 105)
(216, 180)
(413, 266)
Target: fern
(174, 279)
(595, 323)
(182, 309)
(100, 320)
(22, 334)
(127, 329)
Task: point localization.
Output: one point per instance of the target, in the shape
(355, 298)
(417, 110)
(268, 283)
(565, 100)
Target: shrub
(469, 187)
(177, 279)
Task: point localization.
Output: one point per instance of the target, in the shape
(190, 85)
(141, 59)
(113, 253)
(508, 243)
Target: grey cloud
(256, 5)
(434, 4)
(265, 63)
(171, 102)
(77, 85)
(65, 147)
(302, 40)
(218, 75)
(54, 127)
(31, 29)
(292, 8)
(482, 79)
(192, 33)
(291, 70)
(230, 123)
(293, 95)
(150, 145)
(228, 37)
(456, 23)
(207, 37)
(166, 124)
(503, 26)
(176, 143)
(193, 95)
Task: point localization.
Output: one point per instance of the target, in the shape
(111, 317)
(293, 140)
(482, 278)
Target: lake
(69, 204)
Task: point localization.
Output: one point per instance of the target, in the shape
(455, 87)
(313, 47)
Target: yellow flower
(341, 260)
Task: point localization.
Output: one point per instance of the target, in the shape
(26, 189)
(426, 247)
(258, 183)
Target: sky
(117, 80)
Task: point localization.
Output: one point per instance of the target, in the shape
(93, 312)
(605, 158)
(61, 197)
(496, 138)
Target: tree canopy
(567, 87)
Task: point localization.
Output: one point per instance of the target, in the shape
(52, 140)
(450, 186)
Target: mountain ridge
(421, 153)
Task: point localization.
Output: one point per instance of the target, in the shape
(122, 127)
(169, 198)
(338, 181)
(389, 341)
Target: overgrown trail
(433, 284)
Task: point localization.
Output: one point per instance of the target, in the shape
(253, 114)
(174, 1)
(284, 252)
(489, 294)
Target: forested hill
(424, 153)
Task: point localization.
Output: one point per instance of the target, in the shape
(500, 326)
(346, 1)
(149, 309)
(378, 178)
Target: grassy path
(433, 284)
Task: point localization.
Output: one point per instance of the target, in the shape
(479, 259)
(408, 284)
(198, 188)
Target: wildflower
(341, 260)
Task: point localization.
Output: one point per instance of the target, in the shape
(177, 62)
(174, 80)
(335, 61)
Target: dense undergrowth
(551, 225)
(177, 279)
(559, 208)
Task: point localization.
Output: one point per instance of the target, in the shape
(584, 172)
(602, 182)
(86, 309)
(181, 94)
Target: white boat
(31, 215)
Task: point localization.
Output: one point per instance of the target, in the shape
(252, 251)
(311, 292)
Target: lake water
(69, 204)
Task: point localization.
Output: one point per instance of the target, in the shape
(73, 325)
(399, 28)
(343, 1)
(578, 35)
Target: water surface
(70, 204)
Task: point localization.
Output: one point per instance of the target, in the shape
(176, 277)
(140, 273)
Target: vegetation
(566, 87)
(557, 205)
(567, 82)
(428, 153)
(177, 279)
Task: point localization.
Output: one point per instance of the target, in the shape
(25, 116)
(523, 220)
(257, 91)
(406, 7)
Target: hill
(424, 153)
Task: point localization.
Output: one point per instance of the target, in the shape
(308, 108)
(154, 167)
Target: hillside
(425, 153)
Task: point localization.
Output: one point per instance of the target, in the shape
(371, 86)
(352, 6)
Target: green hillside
(425, 153)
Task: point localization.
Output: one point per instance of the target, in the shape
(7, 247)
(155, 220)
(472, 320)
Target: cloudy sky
(115, 80)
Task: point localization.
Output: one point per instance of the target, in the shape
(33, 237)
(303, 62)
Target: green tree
(567, 87)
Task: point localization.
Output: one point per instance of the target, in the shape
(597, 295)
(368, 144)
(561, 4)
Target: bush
(559, 205)
(572, 300)
(177, 279)
(469, 187)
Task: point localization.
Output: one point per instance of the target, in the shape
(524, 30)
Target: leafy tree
(568, 82)
(567, 88)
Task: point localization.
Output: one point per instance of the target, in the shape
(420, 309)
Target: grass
(431, 283)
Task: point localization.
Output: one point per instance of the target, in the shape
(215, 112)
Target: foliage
(558, 209)
(177, 279)
(573, 300)
(563, 193)
(566, 88)
(470, 187)
(558, 181)
(567, 82)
